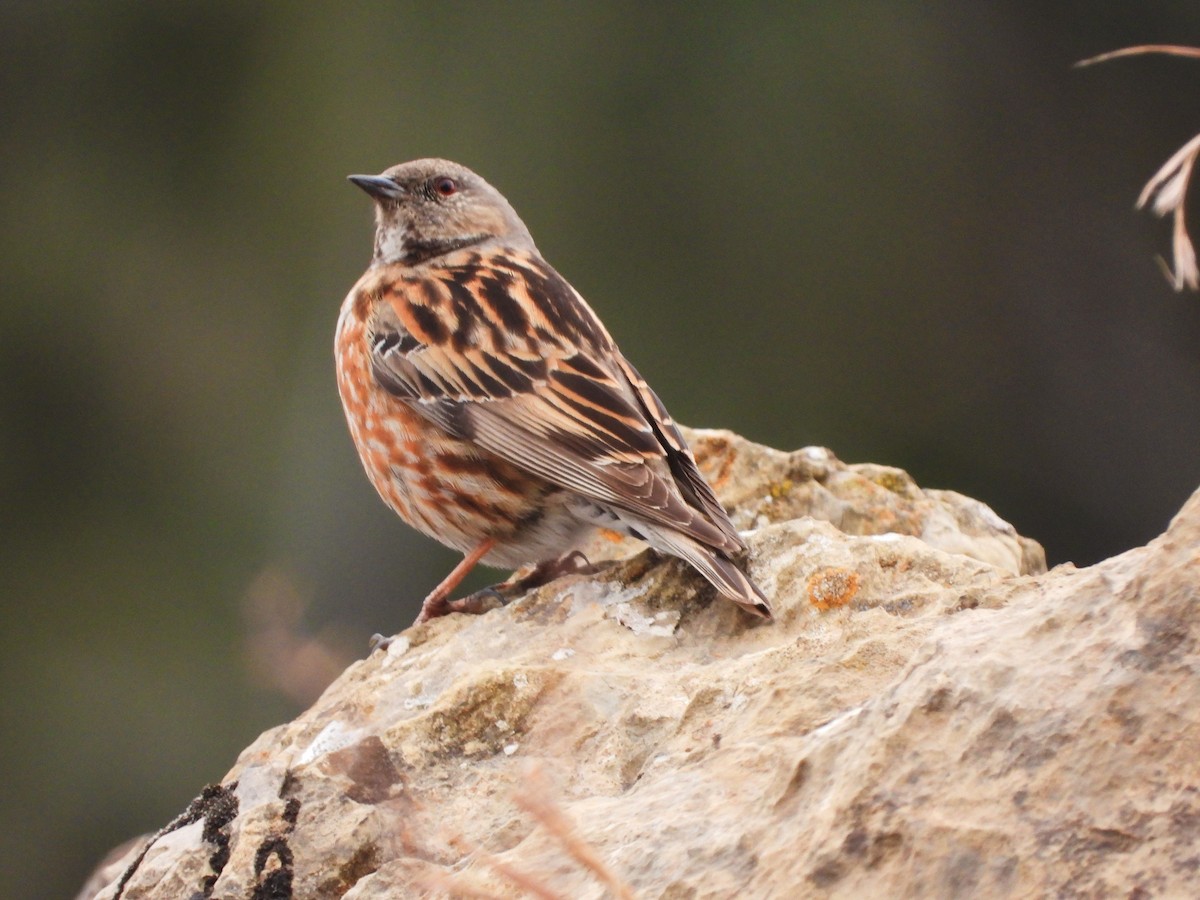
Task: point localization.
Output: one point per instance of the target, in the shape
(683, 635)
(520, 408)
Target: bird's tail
(727, 578)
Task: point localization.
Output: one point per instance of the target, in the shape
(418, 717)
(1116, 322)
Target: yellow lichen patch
(897, 481)
(781, 488)
(609, 535)
(833, 587)
(475, 717)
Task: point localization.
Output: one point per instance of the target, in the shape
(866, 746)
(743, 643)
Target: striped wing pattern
(500, 350)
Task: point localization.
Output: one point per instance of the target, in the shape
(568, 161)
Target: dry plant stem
(457, 887)
(1169, 49)
(1169, 186)
(534, 801)
(527, 883)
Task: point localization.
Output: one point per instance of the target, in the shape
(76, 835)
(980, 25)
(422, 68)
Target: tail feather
(727, 578)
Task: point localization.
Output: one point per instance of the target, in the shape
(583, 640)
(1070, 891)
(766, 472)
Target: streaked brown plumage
(491, 409)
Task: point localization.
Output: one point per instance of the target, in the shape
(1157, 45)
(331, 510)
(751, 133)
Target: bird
(491, 409)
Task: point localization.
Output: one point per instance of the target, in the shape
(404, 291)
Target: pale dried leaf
(1169, 186)
(1167, 193)
(1186, 273)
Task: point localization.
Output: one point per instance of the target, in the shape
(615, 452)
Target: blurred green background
(903, 231)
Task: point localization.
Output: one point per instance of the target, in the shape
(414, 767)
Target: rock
(762, 486)
(931, 714)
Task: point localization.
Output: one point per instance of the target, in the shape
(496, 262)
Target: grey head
(427, 208)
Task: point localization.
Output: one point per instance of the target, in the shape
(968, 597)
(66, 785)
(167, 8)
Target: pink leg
(435, 604)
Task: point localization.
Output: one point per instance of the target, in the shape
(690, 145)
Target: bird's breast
(448, 488)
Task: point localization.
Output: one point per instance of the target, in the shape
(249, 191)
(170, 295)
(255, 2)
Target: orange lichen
(831, 588)
(715, 457)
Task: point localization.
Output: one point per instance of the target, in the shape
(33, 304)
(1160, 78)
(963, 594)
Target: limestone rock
(761, 486)
(931, 714)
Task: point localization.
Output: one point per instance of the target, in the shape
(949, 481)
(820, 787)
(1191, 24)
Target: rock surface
(931, 715)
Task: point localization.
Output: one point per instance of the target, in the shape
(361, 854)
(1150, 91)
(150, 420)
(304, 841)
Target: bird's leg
(476, 604)
(574, 563)
(436, 604)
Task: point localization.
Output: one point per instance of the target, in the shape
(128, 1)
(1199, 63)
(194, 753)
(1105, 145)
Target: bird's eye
(446, 186)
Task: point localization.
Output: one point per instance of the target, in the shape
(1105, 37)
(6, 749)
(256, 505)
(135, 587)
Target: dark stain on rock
(795, 783)
(364, 862)
(961, 873)
(217, 806)
(1130, 721)
(827, 873)
(277, 883)
(1017, 746)
(1186, 818)
(938, 701)
(1092, 842)
(856, 842)
(883, 845)
(1033, 753)
(998, 734)
(290, 786)
(1164, 640)
(369, 767)
(291, 811)
(274, 862)
(871, 848)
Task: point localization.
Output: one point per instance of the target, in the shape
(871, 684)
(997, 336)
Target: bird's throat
(412, 250)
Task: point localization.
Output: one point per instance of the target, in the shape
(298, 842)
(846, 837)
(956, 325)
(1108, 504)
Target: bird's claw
(378, 642)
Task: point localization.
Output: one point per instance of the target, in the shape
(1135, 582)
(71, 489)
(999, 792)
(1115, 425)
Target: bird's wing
(678, 455)
(502, 351)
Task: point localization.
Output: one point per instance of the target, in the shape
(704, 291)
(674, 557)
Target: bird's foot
(437, 605)
(574, 563)
(378, 642)
(475, 604)
(478, 603)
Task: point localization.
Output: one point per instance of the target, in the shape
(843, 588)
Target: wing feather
(556, 399)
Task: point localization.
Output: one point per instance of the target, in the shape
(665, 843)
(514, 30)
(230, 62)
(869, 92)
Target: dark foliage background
(901, 230)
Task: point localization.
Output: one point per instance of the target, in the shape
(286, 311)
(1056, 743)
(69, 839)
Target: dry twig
(535, 800)
(1170, 49)
(1167, 191)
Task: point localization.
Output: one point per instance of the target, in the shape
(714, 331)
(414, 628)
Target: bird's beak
(378, 187)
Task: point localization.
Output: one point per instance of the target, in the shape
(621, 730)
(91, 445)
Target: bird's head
(429, 207)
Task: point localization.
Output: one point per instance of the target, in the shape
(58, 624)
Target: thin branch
(1167, 191)
(1169, 49)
